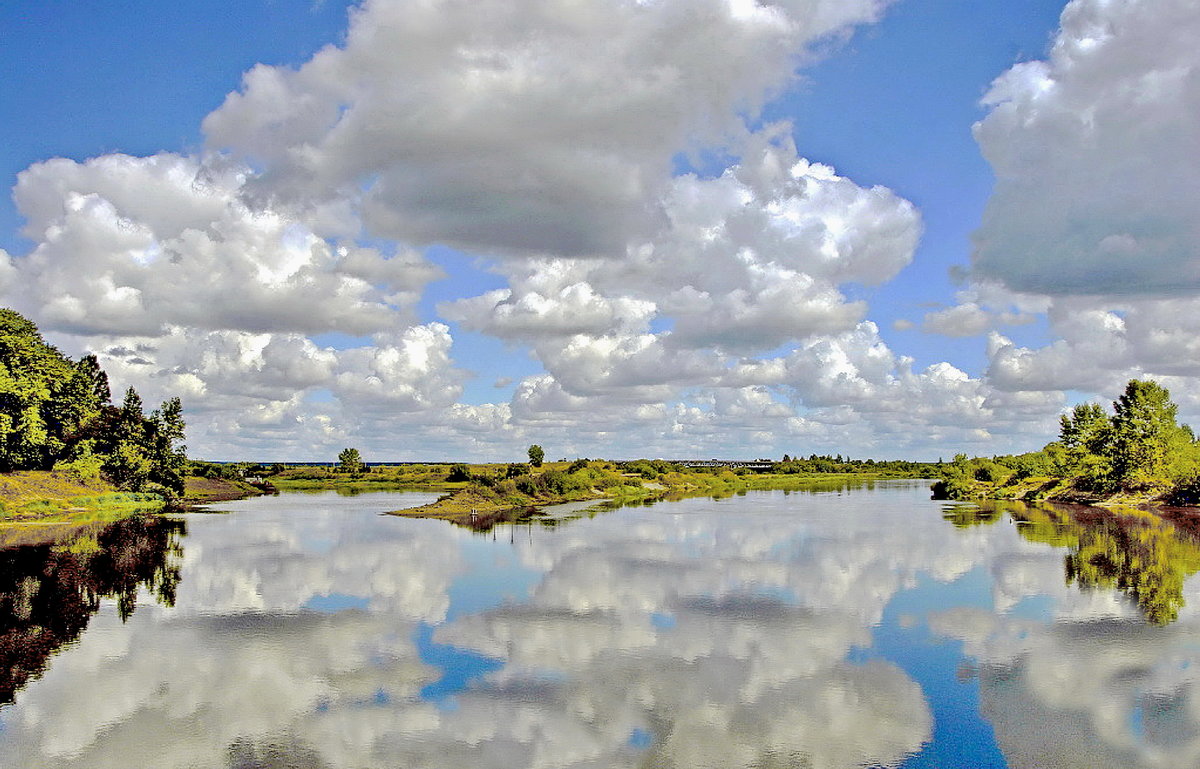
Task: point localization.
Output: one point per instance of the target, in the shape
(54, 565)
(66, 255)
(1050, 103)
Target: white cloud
(130, 246)
(1091, 149)
(969, 319)
(527, 127)
(409, 372)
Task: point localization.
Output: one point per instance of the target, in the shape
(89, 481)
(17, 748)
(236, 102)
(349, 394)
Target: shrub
(85, 467)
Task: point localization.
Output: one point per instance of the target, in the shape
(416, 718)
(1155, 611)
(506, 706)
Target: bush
(85, 467)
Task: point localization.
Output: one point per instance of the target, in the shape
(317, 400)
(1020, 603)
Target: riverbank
(203, 491)
(40, 496)
(1058, 490)
(32, 500)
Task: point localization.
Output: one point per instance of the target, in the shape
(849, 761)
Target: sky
(436, 229)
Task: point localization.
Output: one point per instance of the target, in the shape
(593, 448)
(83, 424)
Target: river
(862, 627)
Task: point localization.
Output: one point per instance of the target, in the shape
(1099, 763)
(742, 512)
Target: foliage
(1140, 449)
(57, 412)
(1143, 425)
(350, 461)
(536, 455)
(44, 397)
(86, 466)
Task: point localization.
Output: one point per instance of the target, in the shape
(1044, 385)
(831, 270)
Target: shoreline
(47, 501)
(469, 508)
(1061, 491)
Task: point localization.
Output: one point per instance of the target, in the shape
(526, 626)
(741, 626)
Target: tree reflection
(1143, 555)
(49, 592)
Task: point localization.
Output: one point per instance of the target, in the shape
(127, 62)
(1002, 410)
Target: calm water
(866, 627)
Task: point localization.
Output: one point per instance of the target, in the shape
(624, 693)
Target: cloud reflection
(731, 633)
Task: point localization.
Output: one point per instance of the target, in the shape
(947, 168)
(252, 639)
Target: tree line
(57, 414)
(1140, 448)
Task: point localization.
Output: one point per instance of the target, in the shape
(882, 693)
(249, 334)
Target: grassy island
(480, 496)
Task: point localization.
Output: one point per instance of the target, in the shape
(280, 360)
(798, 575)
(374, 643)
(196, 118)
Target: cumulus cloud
(407, 373)
(542, 126)
(747, 261)
(1094, 191)
(130, 246)
(252, 281)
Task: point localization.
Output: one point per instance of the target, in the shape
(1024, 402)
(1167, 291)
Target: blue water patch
(1137, 720)
(332, 603)
(962, 737)
(662, 621)
(640, 739)
(494, 576)
(459, 667)
(1039, 608)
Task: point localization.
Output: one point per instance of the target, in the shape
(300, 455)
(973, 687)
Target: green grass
(41, 497)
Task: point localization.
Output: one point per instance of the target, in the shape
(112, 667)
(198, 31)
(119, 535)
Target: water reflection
(831, 630)
(49, 592)
(1143, 555)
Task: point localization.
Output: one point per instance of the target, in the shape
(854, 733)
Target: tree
(349, 461)
(1085, 429)
(57, 413)
(45, 398)
(167, 452)
(1085, 435)
(1143, 426)
(126, 443)
(536, 455)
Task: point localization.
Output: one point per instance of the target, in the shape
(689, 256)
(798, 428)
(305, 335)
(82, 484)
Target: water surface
(863, 627)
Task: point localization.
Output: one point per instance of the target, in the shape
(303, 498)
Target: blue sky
(425, 271)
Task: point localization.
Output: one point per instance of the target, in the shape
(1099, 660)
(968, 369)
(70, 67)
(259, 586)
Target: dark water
(866, 627)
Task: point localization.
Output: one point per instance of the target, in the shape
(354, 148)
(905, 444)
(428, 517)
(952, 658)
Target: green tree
(1085, 436)
(45, 398)
(350, 461)
(167, 453)
(1085, 430)
(126, 444)
(1143, 427)
(536, 455)
(55, 412)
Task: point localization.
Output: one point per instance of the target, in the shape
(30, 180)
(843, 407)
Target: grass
(38, 499)
(50, 497)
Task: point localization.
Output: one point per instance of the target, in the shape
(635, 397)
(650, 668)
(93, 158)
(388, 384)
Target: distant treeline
(57, 414)
(813, 464)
